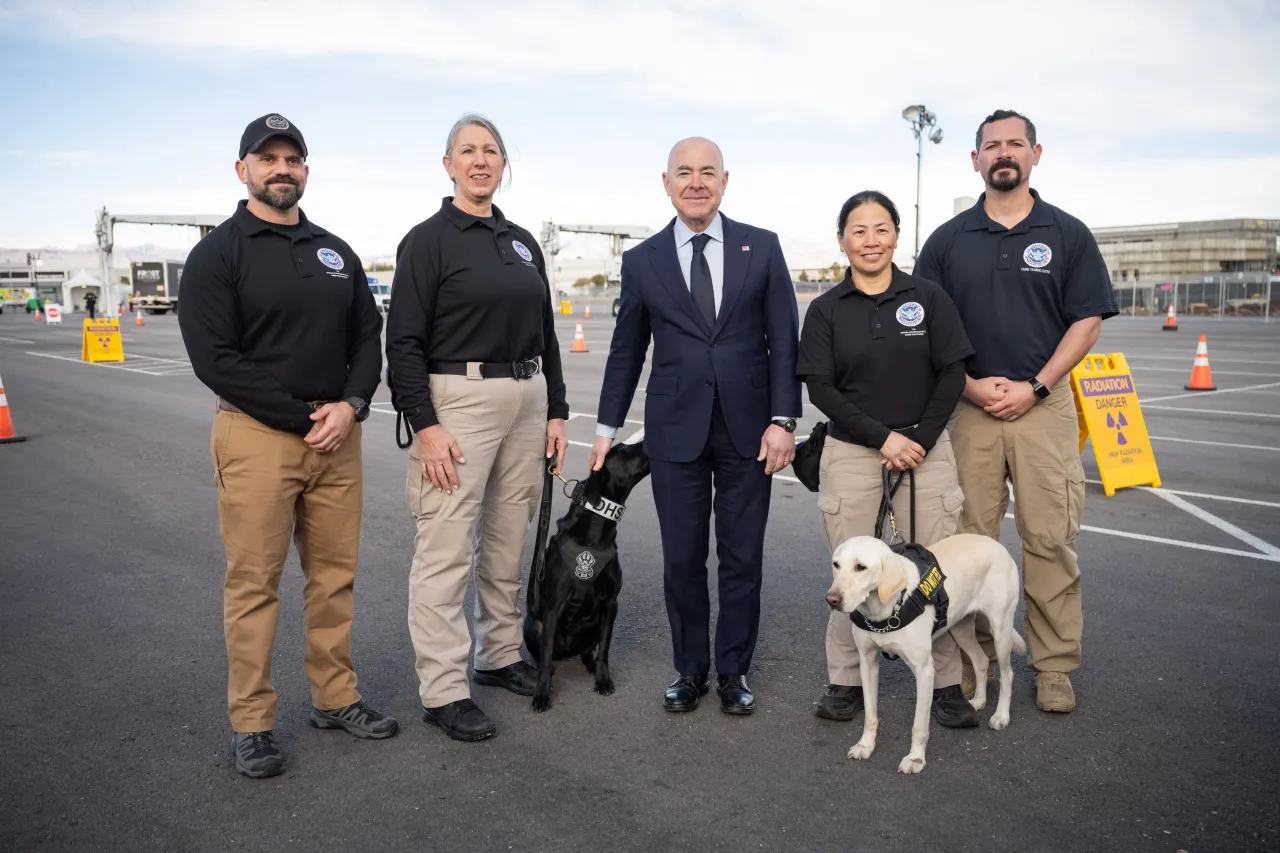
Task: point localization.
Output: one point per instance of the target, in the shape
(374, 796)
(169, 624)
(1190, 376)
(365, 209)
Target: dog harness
(930, 591)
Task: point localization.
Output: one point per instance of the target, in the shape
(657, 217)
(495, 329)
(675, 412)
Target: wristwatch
(1039, 387)
(360, 405)
(789, 424)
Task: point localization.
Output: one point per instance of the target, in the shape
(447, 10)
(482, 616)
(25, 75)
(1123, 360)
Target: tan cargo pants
(1040, 454)
(500, 426)
(272, 487)
(851, 485)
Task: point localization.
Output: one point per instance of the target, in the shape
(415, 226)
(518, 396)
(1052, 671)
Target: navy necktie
(704, 296)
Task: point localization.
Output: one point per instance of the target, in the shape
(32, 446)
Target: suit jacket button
(708, 383)
(713, 346)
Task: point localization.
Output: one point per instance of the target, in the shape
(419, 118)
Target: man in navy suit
(721, 407)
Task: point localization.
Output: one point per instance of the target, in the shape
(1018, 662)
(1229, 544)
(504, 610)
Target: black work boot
(462, 720)
(518, 677)
(952, 710)
(839, 703)
(257, 755)
(358, 719)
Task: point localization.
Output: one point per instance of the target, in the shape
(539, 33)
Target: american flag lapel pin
(746, 248)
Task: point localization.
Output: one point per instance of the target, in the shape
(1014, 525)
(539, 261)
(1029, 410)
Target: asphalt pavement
(112, 669)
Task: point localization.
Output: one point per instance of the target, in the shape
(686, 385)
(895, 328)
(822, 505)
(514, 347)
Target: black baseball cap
(264, 128)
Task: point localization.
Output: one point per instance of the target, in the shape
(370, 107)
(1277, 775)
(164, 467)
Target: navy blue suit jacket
(750, 355)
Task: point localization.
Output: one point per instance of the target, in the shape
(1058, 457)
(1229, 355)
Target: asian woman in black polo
(882, 355)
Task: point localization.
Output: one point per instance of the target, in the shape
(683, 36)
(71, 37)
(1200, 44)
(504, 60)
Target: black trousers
(685, 494)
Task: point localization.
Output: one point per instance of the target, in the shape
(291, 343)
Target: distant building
(1227, 262)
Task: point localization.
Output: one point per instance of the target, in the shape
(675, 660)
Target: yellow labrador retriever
(980, 577)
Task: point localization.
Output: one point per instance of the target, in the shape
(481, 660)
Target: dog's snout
(833, 599)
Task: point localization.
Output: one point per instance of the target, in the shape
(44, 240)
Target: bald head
(695, 151)
(695, 180)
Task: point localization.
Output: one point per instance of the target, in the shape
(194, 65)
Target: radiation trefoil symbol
(1117, 425)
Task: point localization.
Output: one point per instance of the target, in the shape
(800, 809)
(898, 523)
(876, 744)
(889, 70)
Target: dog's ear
(893, 579)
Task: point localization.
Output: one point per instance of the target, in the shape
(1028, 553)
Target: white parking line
(1219, 372)
(1223, 525)
(1208, 411)
(1202, 495)
(1206, 393)
(15, 340)
(1226, 357)
(1215, 443)
(144, 364)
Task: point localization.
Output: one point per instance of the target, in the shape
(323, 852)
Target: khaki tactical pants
(1039, 453)
(273, 487)
(851, 485)
(501, 426)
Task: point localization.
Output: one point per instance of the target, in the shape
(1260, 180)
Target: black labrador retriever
(575, 581)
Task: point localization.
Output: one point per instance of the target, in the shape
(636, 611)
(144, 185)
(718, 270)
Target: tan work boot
(969, 678)
(1054, 693)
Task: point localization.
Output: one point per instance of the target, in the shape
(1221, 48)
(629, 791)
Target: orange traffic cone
(579, 342)
(38, 317)
(1171, 321)
(7, 435)
(1201, 380)
(138, 315)
(586, 314)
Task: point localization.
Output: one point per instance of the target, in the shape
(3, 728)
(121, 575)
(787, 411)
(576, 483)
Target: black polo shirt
(277, 316)
(468, 288)
(883, 355)
(1018, 289)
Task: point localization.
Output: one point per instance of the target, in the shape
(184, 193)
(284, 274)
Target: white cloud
(65, 158)
(1118, 88)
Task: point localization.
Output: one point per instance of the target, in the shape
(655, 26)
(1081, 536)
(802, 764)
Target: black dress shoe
(357, 719)
(518, 677)
(839, 703)
(735, 695)
(685, 693)
(462, 720)
(952, 710)
(257, 755)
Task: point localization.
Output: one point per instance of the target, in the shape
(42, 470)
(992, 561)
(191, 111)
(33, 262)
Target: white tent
(74, 289)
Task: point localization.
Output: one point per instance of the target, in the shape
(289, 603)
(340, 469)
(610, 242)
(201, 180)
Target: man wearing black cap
(279, 323)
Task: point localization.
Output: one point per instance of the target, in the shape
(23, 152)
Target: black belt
(525, 368)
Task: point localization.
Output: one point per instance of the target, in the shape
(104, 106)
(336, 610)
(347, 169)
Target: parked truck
(16, 297)
(155, 285)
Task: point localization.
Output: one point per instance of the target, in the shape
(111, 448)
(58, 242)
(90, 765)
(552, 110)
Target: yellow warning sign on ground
(1108, 411)
(102, 341)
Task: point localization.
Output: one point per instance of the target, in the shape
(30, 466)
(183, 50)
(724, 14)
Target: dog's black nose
(833, 599)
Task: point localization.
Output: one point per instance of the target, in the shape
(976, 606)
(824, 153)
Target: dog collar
(930, 591)
(612, 510)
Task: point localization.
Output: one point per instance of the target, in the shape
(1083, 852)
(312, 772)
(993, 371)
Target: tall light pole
(921, 119)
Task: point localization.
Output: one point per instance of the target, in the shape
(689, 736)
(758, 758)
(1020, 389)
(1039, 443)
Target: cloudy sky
(1148, 111)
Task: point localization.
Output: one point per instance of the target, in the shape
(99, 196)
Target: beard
(1004, 184)
(282, 193)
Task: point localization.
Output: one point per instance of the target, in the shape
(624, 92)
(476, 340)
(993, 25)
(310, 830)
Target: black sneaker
(257, 755)
(462, 720)
(952, 710)
(839, 703)
(358, 719)
(519, 678)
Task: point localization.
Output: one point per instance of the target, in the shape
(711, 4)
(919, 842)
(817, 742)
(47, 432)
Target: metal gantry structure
(104, 230)
(616, 233)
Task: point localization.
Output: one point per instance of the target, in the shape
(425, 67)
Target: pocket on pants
(423, 499)
(829, 504)
(1075, 503)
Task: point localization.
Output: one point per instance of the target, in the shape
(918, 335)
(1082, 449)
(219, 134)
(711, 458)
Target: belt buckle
(525, 368)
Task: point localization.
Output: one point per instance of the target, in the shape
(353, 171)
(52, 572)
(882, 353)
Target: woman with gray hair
(475, 367)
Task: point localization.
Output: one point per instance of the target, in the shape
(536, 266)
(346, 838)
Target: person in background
(882, 354)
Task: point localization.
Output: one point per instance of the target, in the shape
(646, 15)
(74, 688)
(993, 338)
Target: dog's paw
(604, 687)
(541, 703)
(911, 765)
(861, 751)
(998, 721)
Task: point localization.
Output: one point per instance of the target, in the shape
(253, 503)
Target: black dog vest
(930, 590)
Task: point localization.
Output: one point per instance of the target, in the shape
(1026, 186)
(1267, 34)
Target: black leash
(886, 505)
(539, 568)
